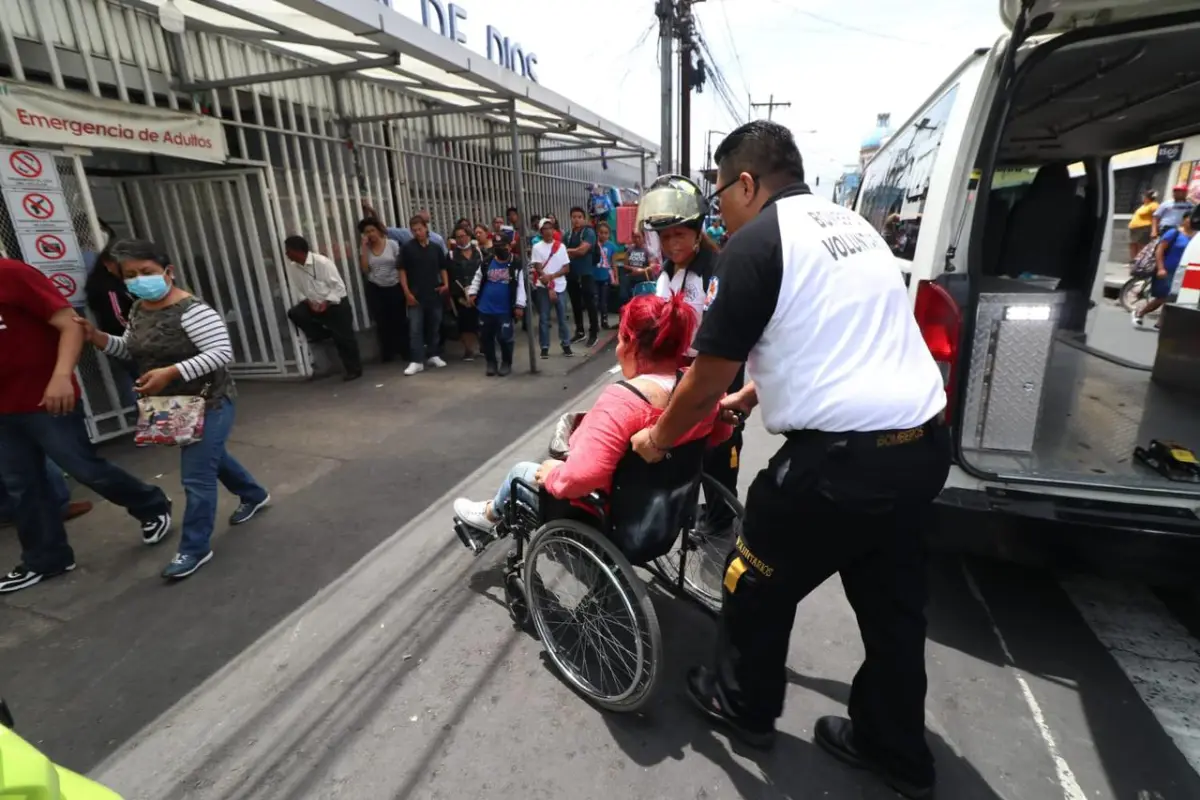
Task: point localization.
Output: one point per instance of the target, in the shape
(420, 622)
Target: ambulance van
(997, 199)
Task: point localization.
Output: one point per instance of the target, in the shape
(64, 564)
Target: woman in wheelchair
(652, 339)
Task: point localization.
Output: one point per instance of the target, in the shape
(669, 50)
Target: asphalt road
(403, 678)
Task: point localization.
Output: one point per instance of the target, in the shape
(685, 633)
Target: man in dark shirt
(425, 277)
(40, 342)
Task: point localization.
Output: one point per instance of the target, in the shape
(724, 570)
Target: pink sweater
(602, 440)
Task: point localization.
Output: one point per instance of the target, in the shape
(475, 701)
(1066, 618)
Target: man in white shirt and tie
(323, 313)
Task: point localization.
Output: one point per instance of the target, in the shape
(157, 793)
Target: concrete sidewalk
(92, 656)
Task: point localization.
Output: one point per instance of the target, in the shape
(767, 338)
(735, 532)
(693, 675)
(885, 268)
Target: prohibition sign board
(39, 211)
(50, 247)
(25, 164)
(65, 284)
(37, 206)
(22, 168)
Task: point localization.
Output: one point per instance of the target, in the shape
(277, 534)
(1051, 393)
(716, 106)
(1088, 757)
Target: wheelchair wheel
(592, 613)
(702, 553)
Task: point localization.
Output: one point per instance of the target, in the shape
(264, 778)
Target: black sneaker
(545, 352)
(22, 577)
(567, 351)
(353, 375)
(591, 341)
(491, 369)
(578, 337)
(156, 528)
(505, 369)
(604, 323)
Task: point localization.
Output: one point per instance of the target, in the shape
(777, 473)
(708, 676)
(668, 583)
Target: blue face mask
(148, 287)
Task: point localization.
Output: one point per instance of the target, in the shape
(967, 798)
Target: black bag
(650, 502)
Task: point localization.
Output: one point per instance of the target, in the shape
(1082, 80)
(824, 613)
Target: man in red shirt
(40, 344)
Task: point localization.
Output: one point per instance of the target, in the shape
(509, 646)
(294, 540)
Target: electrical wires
(716, 75)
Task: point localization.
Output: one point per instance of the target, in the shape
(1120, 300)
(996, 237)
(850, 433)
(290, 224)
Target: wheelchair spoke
(590, 626)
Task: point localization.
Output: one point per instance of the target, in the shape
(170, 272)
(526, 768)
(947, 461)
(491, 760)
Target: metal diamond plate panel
(1008, 366)
(1018, 379)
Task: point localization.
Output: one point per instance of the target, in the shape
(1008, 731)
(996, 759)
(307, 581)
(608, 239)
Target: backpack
(1146, 263)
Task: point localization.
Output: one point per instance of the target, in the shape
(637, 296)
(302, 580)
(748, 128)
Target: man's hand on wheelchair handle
(736, 407)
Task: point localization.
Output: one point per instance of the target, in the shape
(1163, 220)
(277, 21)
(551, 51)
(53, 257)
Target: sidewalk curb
(602, 343)
(148, 742)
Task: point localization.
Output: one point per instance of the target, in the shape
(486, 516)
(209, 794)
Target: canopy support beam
(440, 110)
(314, 71)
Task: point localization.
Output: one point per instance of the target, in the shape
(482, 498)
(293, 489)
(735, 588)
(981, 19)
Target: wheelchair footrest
(473, 539)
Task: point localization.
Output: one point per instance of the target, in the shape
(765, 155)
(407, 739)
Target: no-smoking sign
(66, 285)
(22, 168)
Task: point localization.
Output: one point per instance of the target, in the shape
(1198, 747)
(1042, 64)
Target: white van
(996, 197)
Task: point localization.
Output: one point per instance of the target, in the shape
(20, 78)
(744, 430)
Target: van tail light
(940, 322)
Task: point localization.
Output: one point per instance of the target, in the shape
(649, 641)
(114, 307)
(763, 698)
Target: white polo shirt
(549, 263)
(808, 294)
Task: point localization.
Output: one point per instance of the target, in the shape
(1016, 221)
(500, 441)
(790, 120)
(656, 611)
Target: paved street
(400, 675)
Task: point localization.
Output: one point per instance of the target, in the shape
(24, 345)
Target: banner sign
(36, 113)
(41, 219)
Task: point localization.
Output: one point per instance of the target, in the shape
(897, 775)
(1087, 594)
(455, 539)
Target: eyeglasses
(715, 196)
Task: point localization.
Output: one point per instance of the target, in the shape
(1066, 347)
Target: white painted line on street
(1154, 650)
(1071, 790)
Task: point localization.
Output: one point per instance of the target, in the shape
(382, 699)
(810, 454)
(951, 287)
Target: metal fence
(291, 127)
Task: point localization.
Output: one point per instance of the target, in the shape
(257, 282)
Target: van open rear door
(1060, 16)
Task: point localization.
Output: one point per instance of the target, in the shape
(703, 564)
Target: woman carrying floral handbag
(187, 393)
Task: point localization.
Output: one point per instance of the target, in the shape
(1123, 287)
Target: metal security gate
(222, 233)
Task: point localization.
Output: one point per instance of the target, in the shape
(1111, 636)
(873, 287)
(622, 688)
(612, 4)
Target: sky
(838, 62)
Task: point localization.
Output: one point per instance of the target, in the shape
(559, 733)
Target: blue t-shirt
(1178, 242)
(583, 264)
(601, 270)
(495, 290)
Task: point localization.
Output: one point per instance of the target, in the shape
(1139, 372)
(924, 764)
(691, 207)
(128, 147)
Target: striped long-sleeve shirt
(153, 340)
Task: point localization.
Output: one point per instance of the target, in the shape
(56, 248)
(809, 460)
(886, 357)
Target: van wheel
(1133, 293)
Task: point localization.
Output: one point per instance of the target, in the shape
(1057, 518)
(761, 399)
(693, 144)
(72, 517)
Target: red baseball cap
(1180, 187)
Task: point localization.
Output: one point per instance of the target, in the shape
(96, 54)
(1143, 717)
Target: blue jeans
(424, 329)
(202, 465)
(26, 441)
(560, 304)
(60, 493)
(525, 470)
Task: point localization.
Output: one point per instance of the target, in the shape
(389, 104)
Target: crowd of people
(414, 279)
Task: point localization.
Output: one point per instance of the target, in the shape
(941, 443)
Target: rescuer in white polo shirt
(808, 295)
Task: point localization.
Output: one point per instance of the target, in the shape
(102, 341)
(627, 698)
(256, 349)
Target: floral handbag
(171, 420)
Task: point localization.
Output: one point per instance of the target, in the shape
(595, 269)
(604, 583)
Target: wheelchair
(571, 575)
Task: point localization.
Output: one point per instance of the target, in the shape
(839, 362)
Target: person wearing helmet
(1169, 215)
(675, 209)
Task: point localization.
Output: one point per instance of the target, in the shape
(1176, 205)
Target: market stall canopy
(375, 41)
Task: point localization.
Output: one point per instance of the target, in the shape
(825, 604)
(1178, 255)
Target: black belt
(868, 439)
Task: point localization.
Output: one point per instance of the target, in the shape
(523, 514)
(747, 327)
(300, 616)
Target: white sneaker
(436, 361)
(474, 514)
(1137, 321)
(414, 368)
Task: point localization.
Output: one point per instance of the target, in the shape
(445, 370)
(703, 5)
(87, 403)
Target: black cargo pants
(855, 504)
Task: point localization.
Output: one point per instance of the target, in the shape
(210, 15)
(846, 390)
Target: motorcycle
(26, 773)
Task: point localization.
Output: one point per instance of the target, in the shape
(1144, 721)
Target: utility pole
(665, 11)
(691, 76)
(771, 105)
